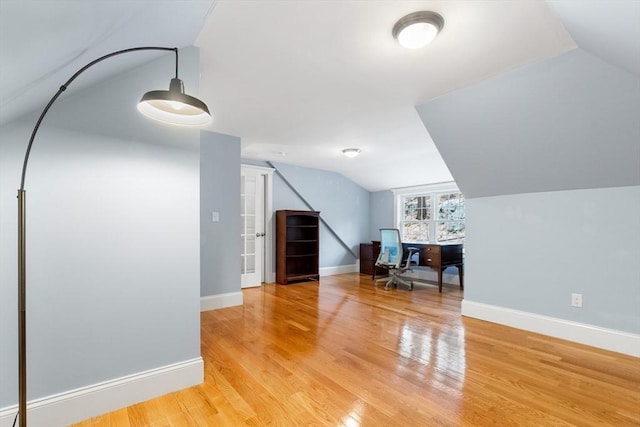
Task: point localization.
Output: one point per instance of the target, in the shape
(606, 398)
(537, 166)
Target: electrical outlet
(576, 300)
(215, 216)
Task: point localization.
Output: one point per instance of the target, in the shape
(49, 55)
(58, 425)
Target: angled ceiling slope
(607, 29)
(569, 122)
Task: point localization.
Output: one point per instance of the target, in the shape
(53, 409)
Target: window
(433, 214)
(416, 219)
(451, 216)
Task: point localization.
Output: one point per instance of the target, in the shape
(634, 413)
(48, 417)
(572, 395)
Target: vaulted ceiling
(299, 81)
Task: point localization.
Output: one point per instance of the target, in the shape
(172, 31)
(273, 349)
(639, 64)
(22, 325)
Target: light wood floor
(343, 352)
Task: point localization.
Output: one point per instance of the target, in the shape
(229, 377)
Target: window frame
(433, 190)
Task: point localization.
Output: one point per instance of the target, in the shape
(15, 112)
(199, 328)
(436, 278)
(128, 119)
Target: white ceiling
(308, 77)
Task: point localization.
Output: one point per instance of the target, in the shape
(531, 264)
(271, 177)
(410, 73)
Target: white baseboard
(328, 271)
(339, 269)
(595, 336)
(214, 302)
(83, 403)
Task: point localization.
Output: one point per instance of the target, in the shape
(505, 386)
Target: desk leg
(461, 274)
(440, 270)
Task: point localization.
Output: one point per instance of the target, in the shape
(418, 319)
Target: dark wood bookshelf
(297, 246)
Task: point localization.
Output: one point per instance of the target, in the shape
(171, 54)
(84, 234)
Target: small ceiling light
(417, 29)
(351, 152)
(174, 106)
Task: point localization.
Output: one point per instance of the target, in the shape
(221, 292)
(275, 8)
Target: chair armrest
(383, 258)
(412, 250)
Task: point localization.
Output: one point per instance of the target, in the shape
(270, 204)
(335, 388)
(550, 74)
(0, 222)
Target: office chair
(391, 258)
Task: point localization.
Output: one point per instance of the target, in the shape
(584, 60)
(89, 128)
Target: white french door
(254, 186)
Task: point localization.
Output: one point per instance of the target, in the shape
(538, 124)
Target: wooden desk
(368, 255)
(439, 257)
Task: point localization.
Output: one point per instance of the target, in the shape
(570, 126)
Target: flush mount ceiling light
(351, 152)
(417, 29)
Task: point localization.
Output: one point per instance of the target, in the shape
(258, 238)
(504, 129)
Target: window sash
(431, 216)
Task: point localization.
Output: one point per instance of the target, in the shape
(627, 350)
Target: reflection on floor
(343, 352)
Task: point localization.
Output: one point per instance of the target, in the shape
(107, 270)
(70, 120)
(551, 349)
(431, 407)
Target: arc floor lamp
(169, 106)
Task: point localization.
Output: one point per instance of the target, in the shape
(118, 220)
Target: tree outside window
(417, 214)
(451, 218)
(433, 217)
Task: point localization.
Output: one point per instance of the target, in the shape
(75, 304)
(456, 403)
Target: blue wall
(530, 252)
(113, 270)
(548, 158)
(219, 192)
(382, 207)
(344, 205)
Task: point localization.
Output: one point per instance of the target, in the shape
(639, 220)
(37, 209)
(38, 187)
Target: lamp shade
(174, 106)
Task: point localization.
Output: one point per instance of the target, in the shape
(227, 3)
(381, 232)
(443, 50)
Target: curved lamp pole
(172, 106)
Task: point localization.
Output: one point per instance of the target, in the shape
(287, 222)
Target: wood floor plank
(345, 352)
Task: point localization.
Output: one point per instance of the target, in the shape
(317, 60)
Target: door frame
(268, 272)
